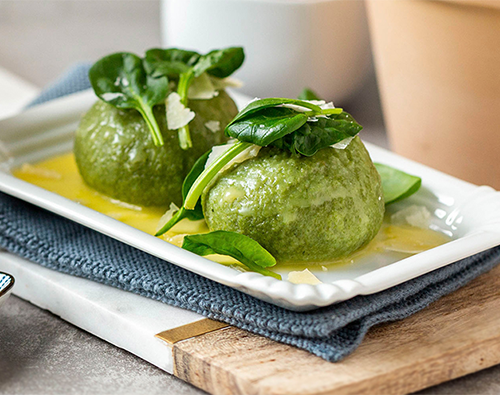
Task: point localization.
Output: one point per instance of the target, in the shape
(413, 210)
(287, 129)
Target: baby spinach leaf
(197, 212)
(308, 94)
(396, 184)
(170, 62)
(322, 133)
(262, 123)
(185, 66)
(196, 170)
(267, 125)
(242, 248)
(220, 63)
(121, 80)
(261, 104)
(196, 182)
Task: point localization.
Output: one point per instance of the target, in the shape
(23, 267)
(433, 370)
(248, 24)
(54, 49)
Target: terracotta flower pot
(438, 68)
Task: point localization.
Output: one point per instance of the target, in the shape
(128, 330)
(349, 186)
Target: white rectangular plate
(469, 213)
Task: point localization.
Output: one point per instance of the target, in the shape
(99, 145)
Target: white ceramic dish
(6, 285)
(469, 213)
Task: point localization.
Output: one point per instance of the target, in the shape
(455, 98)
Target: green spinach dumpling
(301, 209)
(116, 156)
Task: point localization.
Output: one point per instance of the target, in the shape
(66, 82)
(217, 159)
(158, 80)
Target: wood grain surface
(455, 336)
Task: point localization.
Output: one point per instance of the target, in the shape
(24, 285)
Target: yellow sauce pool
(60, 174)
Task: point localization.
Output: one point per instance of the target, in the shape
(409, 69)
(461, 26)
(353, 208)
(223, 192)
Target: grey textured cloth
(331, 332)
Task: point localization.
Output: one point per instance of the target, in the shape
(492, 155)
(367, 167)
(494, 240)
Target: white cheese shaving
(40, 172)
(303, 277)
(343, 143)
(177, 114)
(202, 88)
(219, 150)
(418, 216)
(228, 82)
(213, 126)
(167, 216)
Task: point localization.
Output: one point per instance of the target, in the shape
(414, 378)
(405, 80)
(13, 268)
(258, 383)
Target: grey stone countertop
(39, 352)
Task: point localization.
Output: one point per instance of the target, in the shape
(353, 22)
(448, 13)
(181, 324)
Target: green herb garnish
(308, 94)
(396, 184)
(196, 181)
(266, 122)
(188, 65)
(121, 80)
(240, 247)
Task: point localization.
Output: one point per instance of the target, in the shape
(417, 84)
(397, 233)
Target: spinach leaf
(121, 80)
(170, 62)
(195, 189)
(196, 213)
(308, 94)
(261, 104)
(396, 184)
(220, 63)
(267, 125)
(240, 247)
(187, 65)
(194, 173)
(322, 133)
(302, 132)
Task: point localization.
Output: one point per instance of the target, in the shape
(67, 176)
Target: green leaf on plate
(396, 184)
(240, 247)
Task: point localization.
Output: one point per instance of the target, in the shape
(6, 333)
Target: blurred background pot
(438, 69)
(290, 44)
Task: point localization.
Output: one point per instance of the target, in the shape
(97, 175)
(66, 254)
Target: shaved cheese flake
(417, 216)
(176, 240)
(303, 277)
(213, 126)
(40, 171)
(219, 150)
(202, 88)
(343, 143)
(177, 114)
(167, 216)
(228, 82)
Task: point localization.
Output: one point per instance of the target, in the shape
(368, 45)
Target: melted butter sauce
(60, 175)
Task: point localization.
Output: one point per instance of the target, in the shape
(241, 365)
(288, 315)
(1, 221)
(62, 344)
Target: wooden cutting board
(455, 336)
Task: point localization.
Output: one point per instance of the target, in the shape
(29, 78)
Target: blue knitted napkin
(331, 332)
